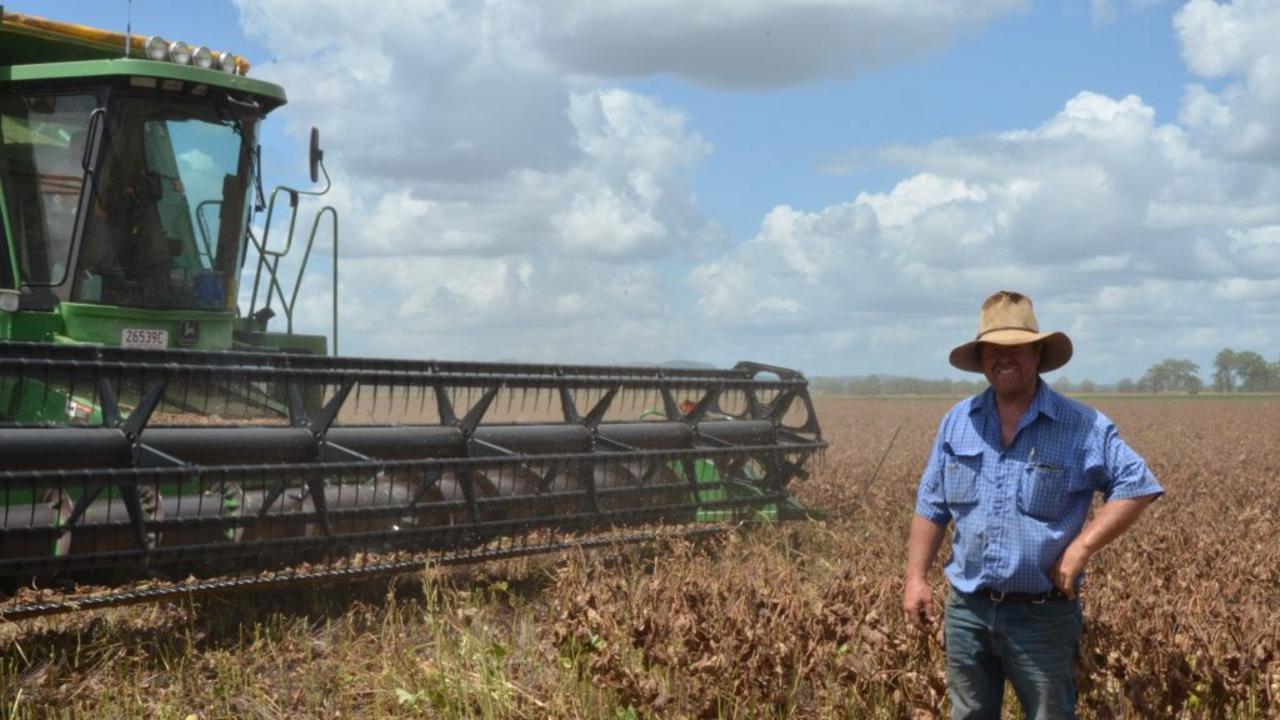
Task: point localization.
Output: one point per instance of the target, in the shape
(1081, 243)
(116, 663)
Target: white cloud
(1236, 41)
(1105, 263)
(495, 185)
(753, 44)
(504, 198)
(1111, 222)
(197, 161)
(916, 195)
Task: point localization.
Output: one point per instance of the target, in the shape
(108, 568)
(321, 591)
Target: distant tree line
(1171, 374)
(1244, 371)
(1233, 371)
(870, 385)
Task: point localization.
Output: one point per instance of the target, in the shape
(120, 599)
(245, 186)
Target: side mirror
(317, 155)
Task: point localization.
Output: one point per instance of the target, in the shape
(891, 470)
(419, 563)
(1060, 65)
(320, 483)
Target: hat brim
(1057, 349)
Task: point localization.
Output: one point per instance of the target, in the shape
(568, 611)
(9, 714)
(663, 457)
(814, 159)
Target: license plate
(141, 338)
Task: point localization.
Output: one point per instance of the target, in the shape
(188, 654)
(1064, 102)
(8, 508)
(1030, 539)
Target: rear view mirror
(317, 155)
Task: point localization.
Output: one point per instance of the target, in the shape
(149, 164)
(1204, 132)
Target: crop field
(795, 620)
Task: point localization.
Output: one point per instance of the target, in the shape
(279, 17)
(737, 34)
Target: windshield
(41, 173)
(165, 225)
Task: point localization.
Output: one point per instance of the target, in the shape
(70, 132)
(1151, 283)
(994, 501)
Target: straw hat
(1007, 319)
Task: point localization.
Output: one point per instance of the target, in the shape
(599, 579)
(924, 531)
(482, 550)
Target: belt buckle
(1041, 598)
(997, 596)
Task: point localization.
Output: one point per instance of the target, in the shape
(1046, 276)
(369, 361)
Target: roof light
(202, 57)
(157, 48)
(180, 52)
(226, 62)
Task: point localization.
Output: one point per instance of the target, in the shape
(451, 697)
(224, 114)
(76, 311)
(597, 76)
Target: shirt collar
(1045, 402)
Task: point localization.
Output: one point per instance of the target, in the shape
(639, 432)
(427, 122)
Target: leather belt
(998, 597)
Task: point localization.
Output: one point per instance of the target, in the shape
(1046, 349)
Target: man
(1015, 468)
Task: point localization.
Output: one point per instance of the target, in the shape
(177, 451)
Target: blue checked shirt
(1016, 509)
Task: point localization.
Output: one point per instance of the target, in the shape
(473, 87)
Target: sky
(832, 186)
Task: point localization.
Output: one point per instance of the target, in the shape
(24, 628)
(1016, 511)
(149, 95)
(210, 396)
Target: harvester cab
(152, 427)
(128, 185)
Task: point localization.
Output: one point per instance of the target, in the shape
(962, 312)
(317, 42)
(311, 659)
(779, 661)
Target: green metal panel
(105, 324)
(26, 38)
(31, 401)
(281, 342)
(31, 326)
(273, 94)
(21, 47)
(715, 488)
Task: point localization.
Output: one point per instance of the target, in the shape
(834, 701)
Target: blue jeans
(1034, 645)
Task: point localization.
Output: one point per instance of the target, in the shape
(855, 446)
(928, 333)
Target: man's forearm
(1112, 520)
(922, 546)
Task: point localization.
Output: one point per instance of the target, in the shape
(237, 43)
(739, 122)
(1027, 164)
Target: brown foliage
(1183, 613)
(759, 638)
(798, 620)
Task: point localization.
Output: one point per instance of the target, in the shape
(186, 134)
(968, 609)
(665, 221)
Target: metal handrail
(203, 226)
(270, 259)
(263, 252)
(274, 282)
(315, 226)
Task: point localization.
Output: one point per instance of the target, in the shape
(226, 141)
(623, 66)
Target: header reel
(125, 463)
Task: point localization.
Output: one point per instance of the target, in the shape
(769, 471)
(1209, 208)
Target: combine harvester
(157, 439)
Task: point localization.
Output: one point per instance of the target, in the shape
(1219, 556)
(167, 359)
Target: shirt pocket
(1043, 490)
(960, 476)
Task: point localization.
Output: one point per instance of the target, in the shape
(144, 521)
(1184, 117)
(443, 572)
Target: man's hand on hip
(1069, 566)
(1112, 520)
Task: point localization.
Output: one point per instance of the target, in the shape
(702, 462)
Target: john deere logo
(188, 333)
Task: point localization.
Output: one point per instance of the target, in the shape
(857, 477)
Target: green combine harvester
(153, 427)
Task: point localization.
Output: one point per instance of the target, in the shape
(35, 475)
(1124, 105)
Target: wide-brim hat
(1007, 319)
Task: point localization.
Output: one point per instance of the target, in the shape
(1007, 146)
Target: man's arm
(1110, 523)
(922, 549)
(1128, 486)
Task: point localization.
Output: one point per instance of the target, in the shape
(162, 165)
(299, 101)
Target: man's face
(1011, 369)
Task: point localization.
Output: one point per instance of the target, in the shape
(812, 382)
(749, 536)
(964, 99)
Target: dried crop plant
(798, 620)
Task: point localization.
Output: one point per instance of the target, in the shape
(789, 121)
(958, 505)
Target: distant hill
(687, 365)
(893, 385)
(673, 364)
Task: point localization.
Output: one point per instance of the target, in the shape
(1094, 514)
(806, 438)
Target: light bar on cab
(157, 48)
(152, 48)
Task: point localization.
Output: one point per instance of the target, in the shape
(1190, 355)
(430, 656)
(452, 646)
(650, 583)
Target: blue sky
(1015, 73)
(830, 186)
